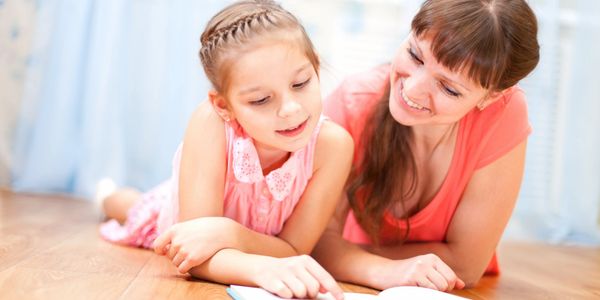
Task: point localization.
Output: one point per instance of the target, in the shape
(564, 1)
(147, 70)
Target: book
(238, 292)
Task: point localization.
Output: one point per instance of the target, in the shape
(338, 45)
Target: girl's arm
(479, 220)
(290, 277)
(333, 157)
(202, 165)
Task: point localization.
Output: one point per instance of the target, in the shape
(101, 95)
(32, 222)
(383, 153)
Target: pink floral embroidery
(246, 165)
(247, 169)
(280, 182)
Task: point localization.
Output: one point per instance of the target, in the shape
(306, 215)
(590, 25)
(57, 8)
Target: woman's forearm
(465, 266)
(347, 261)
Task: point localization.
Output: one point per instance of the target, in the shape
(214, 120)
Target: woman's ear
(489, 99)
(220, 105)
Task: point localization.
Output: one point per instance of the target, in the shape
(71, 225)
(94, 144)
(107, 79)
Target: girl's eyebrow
(303, 67)
(440, 75)
(256, 88)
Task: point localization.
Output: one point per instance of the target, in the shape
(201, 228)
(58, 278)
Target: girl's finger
(295, 285)
(441, 284)
(426, 283)
(310, 282)
(185, 266)
(279, 288)
(450, 276)
(161, 242)
(178, 259)
(173, 250)
(325, 280)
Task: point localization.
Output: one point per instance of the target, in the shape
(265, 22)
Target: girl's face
(424, 92)
(275, 95)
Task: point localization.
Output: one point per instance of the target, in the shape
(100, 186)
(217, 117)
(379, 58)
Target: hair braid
(239, 26)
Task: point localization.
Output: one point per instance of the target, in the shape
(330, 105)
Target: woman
(440, 138)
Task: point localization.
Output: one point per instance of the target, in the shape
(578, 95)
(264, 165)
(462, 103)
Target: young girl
(256, 157)
(440, 137)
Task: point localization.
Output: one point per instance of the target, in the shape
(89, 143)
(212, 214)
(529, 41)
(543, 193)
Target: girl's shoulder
(204, 124)
(205, 117)
(333, 143)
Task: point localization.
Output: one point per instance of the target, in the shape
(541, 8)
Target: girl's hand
(189, 244)
(295, 277)
(424, 270)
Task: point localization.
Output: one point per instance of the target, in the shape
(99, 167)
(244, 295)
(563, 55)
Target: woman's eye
(301, 84)
(450, 91)
(259, 102)
(414, 56)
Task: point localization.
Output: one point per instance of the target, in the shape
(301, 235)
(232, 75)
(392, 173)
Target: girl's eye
(414, 56)
(449, 91)
(260, 102)
(301, 84)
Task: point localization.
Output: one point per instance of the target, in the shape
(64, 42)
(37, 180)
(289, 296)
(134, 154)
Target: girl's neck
(270, 158)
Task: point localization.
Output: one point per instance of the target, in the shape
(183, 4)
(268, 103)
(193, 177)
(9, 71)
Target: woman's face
(424, 92)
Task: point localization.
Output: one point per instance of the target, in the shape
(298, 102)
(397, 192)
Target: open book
(239, 292)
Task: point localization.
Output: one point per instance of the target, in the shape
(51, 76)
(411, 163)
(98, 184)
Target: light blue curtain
(580, 194)
(109, 90)
(560, 196)
(112, 83)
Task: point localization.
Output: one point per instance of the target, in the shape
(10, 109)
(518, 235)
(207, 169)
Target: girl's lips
(294, 131)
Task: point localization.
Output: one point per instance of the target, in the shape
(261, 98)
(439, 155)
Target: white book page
(395, 293)
(416, 293)
(254, 293)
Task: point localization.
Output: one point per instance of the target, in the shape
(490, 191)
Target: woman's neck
(427, 138)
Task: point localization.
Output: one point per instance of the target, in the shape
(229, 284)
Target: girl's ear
(220, 105)
(489, 99)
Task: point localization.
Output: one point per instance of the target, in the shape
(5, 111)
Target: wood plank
(25, 283)
(50, 248)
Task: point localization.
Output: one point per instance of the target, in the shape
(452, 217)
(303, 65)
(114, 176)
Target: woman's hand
(191, 243)
(424, 270)
(295, 277)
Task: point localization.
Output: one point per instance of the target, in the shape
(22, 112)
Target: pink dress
(483, 137)
(261, 203)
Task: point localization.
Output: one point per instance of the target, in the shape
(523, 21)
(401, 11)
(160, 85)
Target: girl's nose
(289, 107)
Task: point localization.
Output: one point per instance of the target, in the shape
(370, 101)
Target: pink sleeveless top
(483, 137)
(261, 203)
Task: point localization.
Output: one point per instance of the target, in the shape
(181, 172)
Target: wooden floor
(50, 249)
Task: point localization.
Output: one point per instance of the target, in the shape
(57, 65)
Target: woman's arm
(479, 220)
(350, 263)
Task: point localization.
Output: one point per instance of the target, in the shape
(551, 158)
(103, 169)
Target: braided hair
(239, 27)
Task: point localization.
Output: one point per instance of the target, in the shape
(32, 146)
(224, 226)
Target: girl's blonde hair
(238, 28)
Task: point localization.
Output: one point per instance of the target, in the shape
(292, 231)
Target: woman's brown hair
(238, 27)
(494, 42)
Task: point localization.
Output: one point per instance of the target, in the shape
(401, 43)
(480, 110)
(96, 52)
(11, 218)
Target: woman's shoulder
(354, 98)
(499, 128)
(510, 110)
(371, 82)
